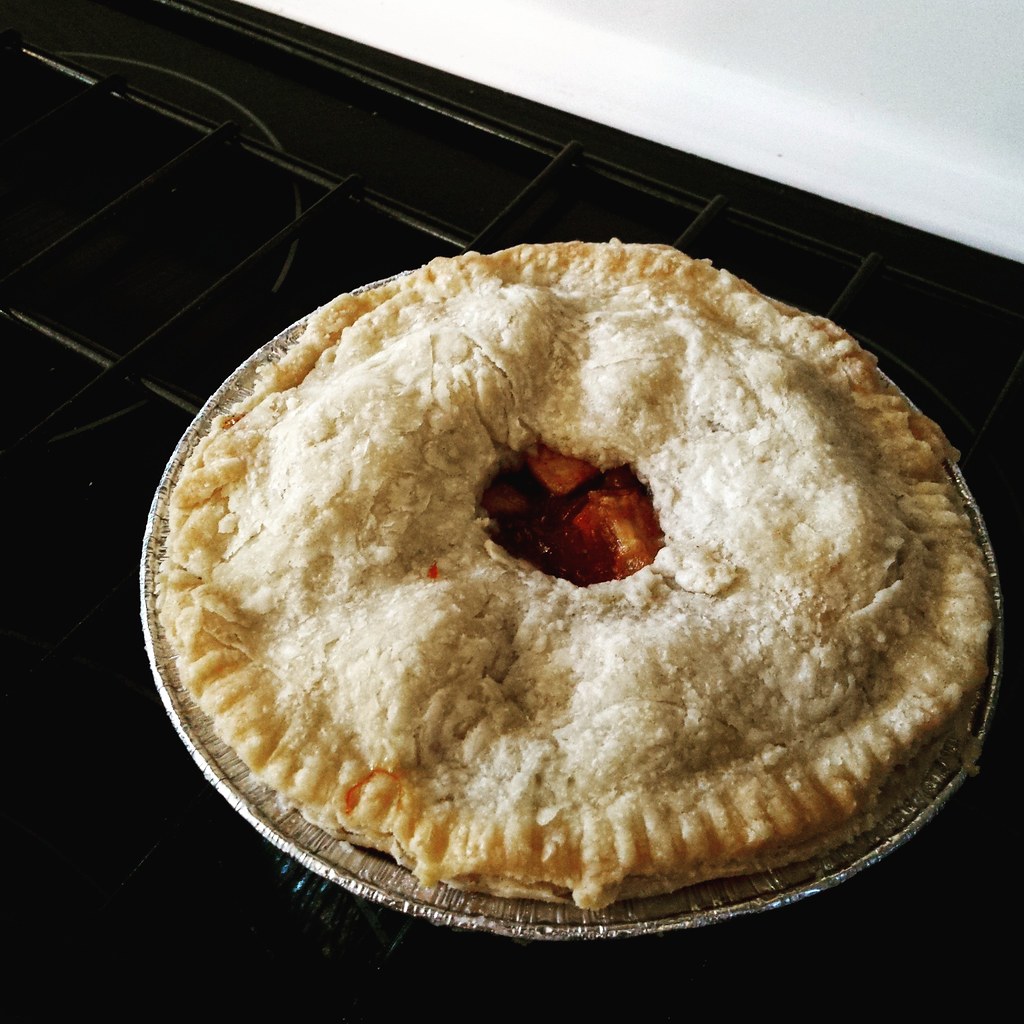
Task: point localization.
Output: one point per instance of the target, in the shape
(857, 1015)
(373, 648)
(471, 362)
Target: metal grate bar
(1011, 387)
(99, 90)
(419, 220)
(124, 365)
(867, 269)
(204, 146)
(95, 353)
(703, 219)
(554, 169)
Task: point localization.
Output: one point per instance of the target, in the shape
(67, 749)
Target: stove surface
(158, 226)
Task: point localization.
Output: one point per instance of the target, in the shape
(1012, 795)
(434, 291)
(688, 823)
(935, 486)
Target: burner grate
(180, 181)
(187, 196)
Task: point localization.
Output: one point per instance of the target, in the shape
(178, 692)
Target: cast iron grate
(66, 236)
(147, 248)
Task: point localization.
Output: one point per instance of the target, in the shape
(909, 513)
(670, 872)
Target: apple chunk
(623, 524)
(557, 473)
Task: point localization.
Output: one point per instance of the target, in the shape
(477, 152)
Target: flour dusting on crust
(339, 609)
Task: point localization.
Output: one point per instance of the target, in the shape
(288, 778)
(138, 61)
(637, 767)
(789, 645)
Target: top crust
(819, 611)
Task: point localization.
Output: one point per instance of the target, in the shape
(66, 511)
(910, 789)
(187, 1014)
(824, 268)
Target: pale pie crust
(820, 609)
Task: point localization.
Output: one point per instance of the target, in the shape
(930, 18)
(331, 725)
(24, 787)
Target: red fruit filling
(569, 519)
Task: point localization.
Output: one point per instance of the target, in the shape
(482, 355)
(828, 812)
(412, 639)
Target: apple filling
(569, 519)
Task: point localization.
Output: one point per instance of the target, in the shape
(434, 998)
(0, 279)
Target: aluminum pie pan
(378, 878)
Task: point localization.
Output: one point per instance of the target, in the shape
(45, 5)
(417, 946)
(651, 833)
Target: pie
(808, 612)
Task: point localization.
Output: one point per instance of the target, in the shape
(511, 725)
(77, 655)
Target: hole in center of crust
(570, 519)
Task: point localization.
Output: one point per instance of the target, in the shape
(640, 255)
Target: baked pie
(765, 601)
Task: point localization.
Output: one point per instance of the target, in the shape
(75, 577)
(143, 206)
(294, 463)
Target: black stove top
(178, 182)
